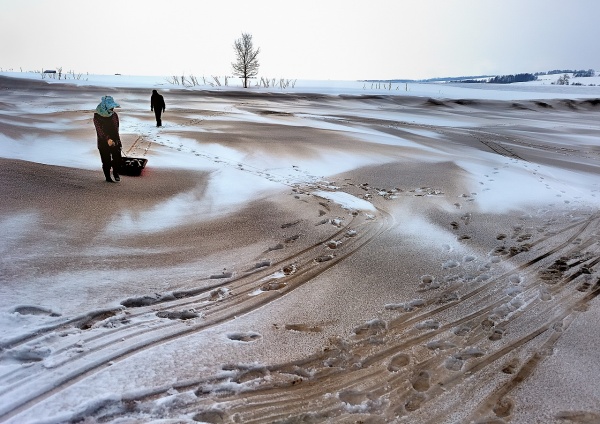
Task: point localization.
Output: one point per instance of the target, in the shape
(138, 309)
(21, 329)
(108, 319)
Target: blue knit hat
(106, 105)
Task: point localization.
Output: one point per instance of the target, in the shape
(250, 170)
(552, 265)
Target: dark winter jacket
(107, 127)
(157, 101)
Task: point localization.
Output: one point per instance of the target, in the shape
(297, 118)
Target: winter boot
(107, 175)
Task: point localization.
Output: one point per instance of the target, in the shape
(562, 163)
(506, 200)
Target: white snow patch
(347, 201)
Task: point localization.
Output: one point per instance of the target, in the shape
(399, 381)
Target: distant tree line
(509, 79)
(457, 79)
(588, 73)
(576, 73)
(502, 79)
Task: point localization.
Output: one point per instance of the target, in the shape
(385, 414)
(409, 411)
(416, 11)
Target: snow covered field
(324, 253)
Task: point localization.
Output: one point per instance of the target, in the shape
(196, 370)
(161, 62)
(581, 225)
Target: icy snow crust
(328, 252)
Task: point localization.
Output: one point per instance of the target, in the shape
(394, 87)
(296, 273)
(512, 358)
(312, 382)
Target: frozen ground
(329, 253)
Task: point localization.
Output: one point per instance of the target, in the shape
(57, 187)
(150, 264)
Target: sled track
(419, 370)
(422, 359)
(143, 327)
(492, 141)
(575, 151)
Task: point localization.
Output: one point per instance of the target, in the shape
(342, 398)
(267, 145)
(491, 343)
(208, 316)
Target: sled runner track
(419, 318)
(496, 146)
(264, 408)
(98, 357)
(192, 295)
(281, 401)
(93, 317)
(140, 138)
(561, 317)
(404, 322)
(359, 373)
(185, 298)
(196, 298)
(567, 151)
(182, 298)
(583, 227)
(497, 397)
(526, 339)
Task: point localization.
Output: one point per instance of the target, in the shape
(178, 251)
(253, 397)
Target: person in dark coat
(106, 122)
(157, 104)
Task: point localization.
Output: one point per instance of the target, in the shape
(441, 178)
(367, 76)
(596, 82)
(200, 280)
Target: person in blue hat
(106, 122)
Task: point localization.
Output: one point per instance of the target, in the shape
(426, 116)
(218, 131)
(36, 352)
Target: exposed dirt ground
(461, 287)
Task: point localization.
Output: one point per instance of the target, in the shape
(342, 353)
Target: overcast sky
(308, 39)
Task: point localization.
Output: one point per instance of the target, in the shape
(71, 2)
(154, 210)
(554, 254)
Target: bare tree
(246, 64)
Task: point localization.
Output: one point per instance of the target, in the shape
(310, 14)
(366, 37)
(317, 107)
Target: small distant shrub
(563, 80)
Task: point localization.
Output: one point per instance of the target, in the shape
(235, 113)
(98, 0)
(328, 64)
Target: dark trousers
(157, 113)
(111, 158)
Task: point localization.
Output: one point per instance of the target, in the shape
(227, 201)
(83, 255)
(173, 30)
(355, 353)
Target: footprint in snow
(35, 310)
(244, 337)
